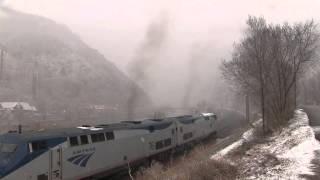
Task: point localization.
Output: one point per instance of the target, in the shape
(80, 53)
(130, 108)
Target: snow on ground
(245, 137)
(287, 155)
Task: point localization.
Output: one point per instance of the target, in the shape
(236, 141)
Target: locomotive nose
(7, 157)
(4, 164)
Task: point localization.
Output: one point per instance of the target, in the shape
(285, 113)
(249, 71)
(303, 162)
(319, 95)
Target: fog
(171, 48)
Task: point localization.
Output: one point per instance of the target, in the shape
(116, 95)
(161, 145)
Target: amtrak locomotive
(86, 151)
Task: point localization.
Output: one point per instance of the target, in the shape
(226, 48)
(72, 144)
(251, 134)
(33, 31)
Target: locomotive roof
(85, 129)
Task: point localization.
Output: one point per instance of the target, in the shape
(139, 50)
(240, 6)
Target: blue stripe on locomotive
(80, 160)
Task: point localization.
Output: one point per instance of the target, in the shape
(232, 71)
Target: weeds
(196, 165)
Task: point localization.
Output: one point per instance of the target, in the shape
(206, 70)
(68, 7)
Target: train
(87, 152)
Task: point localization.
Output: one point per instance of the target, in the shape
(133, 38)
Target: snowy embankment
(287, 155)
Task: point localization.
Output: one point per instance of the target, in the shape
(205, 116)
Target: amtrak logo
(80, 159)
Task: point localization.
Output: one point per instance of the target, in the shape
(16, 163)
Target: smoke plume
(194, 64)
(146, 56)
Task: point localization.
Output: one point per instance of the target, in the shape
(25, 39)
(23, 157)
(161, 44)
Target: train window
(187, 135)
(73, 141)
(97, 137)
(159, 144)
(39, 145)
(110, 135)
(151, 128)
(84, 139)
(167, 142)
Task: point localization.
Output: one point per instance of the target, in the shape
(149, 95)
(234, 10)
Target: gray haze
(198, 34)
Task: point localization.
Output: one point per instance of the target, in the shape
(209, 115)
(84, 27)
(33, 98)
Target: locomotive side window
(151, 128)
(97, 137)
(187, 135)
(163, 143)
(159, 144)
(73, 141)
(167, 142)
(110, 135)
(38, 145)
(84, 139)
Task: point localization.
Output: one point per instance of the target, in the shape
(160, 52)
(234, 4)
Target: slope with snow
(287, 155)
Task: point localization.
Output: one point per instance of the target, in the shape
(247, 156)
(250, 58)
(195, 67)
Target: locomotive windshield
(6, 151)
(10, 146)
(6, 155)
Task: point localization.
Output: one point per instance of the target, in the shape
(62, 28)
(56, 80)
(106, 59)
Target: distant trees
(267, 63)
(309, 87)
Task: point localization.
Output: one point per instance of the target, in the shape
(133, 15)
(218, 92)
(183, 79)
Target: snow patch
(302, 155)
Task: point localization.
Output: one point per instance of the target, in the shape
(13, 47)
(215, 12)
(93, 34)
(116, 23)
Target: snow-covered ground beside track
(287, 155)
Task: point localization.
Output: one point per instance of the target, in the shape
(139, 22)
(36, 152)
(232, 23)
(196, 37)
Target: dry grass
(194, 166)
(202, 170)
(213, 169)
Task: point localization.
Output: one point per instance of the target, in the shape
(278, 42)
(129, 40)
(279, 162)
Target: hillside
(48, 65)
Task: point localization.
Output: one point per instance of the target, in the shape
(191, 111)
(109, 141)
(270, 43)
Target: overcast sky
(197, 30)
(116, 27)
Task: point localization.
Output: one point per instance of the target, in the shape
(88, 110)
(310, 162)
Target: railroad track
(219, 145)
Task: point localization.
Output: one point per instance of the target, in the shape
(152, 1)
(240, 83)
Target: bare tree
(268, 62)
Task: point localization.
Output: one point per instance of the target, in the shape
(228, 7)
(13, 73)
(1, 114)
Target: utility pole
(295, 83)
(247, 109)
(34, 86)
(295, 92)
(1, 64)
(35, 79)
